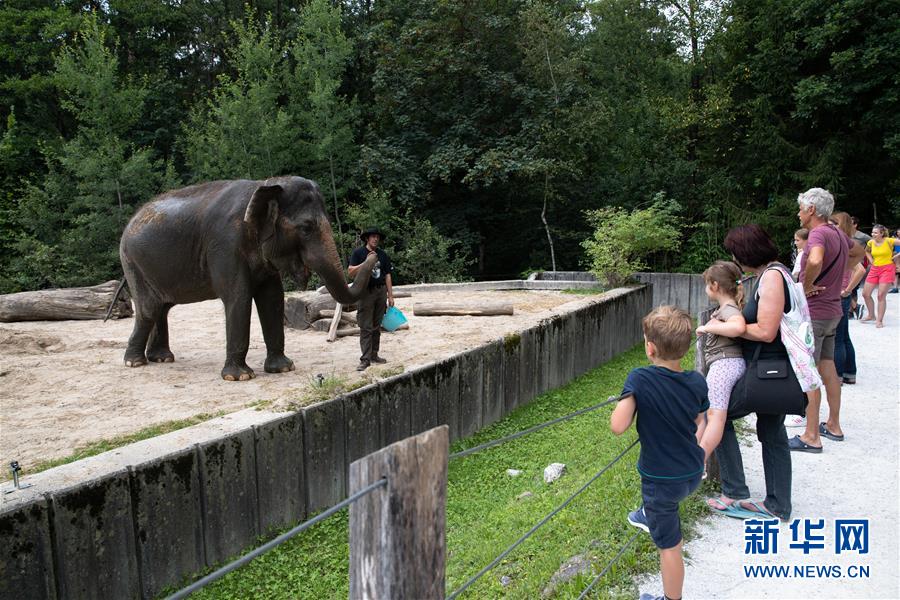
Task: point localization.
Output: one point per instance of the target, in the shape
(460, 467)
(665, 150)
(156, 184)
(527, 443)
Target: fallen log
(397, 294)
(345, 317)
(321, 324)
(437, 309)
(64, 304)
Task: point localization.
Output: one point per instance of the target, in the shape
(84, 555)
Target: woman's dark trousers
(776, 456)
(844, 353)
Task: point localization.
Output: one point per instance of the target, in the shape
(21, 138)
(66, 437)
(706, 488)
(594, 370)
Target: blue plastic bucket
(393, 319)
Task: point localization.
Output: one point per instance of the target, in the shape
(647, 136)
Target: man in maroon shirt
(821, 272)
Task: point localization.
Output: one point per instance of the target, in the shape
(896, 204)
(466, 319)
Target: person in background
(379, 295)
(880, 252)
(896, 287)
(844, 352)
(800, 238)
(863, 239)
(824, 263)
(670, 405)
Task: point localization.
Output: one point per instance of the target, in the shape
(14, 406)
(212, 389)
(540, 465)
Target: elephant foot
(162, 355)
(134, 360)
(232, 372)
(278, 364)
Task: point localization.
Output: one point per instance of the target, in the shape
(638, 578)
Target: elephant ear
(262, 212)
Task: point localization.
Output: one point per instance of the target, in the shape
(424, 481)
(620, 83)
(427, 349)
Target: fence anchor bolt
(14, 465)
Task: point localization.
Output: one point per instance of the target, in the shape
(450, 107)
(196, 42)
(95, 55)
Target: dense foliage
(480, 133)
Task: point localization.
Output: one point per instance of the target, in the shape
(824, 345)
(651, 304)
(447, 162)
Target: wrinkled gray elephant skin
(230, 240)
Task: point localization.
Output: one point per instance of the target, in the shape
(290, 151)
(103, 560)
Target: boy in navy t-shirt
(670, 405)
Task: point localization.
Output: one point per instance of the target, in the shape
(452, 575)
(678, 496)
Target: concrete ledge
(165, 495)
(281, 483)
(138, 519)
(324, 436)
(26, 570)
(94, 539)
(228, 479)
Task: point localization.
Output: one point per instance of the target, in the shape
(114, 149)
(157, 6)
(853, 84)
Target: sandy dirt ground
(63, 384)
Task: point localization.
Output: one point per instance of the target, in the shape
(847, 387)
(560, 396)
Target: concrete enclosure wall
(684, 290)
(137, 520)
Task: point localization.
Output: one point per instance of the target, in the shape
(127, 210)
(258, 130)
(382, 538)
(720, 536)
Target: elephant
(230, 240)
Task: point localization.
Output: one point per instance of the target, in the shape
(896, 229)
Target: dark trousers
(776, 456)
(844, 352)
(369, 314)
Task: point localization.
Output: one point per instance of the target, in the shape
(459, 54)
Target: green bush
(622, 240)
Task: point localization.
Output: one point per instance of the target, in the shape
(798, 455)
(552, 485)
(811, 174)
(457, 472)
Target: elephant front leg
(237, 334)
(270, 307)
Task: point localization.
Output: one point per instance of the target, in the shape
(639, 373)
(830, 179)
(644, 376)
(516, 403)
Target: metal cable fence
(243, 560)
(519, 434)
(542, 522)
(236, 564)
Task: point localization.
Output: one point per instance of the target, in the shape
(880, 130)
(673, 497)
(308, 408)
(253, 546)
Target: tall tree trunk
(544, 219)
(337, 215)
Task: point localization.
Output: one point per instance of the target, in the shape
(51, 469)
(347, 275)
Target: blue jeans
(776, 457)
(844, 353)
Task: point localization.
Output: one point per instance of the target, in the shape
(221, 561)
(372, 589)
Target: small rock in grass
(554, 472)
(577, 565)
(524, 495)
(513, 472)
(505, 581)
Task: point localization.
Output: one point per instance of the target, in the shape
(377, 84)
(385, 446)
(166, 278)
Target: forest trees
(470, 129)
(71, 220)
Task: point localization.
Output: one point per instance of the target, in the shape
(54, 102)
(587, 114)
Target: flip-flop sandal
(823, 431)
(759, 509)
(798, 445)
(724, 507)
(729, 510)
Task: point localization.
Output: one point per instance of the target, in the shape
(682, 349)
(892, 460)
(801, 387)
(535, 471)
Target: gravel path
(854, 479)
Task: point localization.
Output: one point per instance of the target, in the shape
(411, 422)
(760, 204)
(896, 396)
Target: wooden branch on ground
(64, 304)
(335, 321)
(436, 309)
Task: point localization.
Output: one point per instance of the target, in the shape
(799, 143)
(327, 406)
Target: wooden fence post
(397, 533)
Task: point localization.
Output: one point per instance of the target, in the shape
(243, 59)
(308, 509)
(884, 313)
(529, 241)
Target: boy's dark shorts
(661, 499)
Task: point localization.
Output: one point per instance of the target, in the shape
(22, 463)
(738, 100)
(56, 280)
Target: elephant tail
(112, 303)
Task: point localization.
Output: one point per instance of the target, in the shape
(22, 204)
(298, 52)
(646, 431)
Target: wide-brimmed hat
(364, 236)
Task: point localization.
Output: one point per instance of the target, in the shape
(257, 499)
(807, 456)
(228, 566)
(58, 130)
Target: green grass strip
(486, 510)
(102, 446)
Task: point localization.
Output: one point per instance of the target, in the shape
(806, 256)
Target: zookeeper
(374, 303)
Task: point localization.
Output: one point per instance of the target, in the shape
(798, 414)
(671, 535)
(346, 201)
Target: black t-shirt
(769, 350)
(668, 403)
(382, 266)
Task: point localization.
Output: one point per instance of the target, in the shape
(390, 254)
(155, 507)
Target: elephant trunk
(328, 265)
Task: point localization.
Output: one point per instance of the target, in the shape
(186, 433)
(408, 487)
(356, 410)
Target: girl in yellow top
(880, 252)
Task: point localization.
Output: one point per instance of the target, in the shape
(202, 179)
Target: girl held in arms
(722, 353)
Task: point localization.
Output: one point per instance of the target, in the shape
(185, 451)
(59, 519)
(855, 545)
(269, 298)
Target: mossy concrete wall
(137, 520)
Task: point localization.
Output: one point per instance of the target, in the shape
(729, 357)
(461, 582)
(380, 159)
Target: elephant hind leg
(158, 344)
(134, 354)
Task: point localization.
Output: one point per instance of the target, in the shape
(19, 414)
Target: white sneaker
(794, 421)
